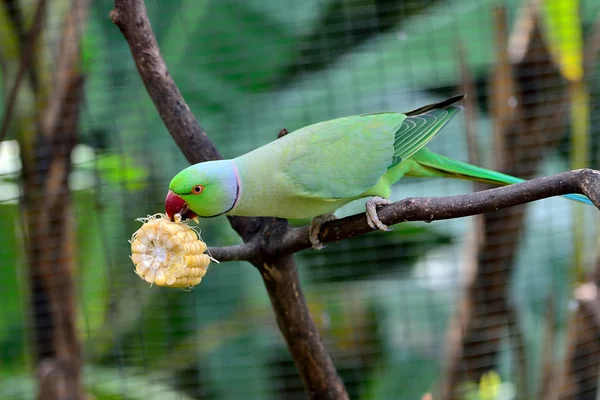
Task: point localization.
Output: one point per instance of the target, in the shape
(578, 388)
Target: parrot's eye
(198, 189)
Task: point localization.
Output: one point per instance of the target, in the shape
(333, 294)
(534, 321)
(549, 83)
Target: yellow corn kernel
(197, 247)
(197, 260)
(139, 247)
(167, 253)
(137, 258)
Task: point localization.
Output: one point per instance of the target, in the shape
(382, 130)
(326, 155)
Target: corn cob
(167, 253)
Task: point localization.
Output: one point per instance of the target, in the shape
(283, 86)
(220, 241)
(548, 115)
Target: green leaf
(122, 169)
(563, 33)
(489, 385)
(118, 169)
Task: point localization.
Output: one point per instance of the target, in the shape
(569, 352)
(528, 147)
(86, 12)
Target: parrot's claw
(315, 229)
(371, 211)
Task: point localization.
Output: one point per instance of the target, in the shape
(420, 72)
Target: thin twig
(67, 65)
(15, 16)
(24, 65)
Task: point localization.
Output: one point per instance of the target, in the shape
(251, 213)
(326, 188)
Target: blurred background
(496, 307)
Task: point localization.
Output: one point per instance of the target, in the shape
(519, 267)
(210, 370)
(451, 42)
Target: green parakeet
(313, 171)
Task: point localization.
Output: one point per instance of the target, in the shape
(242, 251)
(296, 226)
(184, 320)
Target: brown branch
(66, 66)
(25, 63)
(15, 16)
(279, 273)
(51, 241)
(293, 317)
(548, 363)
(52, 259)
(583, 181)
(132, 19)
(579, 378)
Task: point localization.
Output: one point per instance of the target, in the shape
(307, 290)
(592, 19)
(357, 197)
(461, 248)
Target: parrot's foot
(315, 229)
(372, 218)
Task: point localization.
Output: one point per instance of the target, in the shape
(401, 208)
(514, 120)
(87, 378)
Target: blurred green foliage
(248, 69)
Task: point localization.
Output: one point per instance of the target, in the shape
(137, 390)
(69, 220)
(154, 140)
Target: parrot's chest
(275, 203)
(270, 194)
(267, 190)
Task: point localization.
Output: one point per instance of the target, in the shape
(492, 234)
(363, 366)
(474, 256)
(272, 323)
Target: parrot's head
(205, 190)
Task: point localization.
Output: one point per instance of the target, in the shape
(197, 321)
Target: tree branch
(15, 16)
(583, 181)
(279, 273)
(132, 19)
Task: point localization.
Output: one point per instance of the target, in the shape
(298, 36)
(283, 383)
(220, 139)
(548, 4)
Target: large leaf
(563, 32)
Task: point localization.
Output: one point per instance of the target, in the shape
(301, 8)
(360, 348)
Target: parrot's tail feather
(441, 105)
(579, 197)
(432, 165)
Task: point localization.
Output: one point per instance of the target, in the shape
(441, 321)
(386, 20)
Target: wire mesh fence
(499, 306)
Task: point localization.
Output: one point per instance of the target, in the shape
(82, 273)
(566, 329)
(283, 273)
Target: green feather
(350, 154)
(435, 165)
(416, 131)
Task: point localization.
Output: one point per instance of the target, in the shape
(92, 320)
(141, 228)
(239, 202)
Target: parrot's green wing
(421, 126)
(340, 158)
(353, 153)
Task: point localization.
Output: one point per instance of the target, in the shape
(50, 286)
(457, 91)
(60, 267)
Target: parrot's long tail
(435, 165)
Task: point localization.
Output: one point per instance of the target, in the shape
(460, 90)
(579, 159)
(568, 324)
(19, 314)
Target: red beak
(175, 205)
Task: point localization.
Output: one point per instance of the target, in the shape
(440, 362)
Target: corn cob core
(168, 253)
